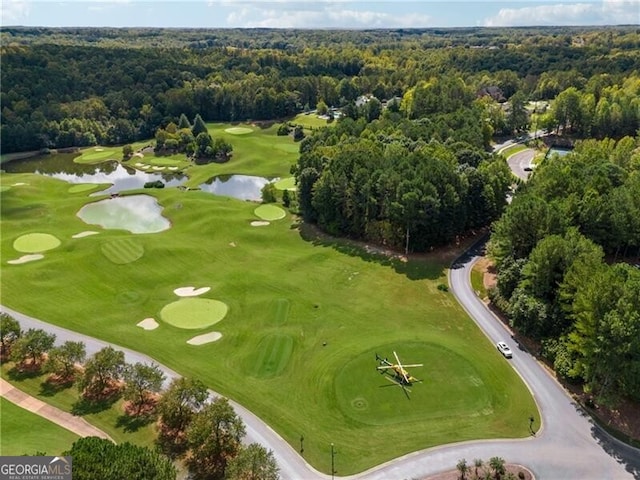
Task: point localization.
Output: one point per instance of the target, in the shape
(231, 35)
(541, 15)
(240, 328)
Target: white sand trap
(19, 184)
(148, 324)
(99, 149)
(26, 259)
(138, 154)
(146, 167)
(173, 168)
(205, 338)
(86, 233)
(138, 164)
(232, 244)
(190, 291)
(259, 223)
(158, 168)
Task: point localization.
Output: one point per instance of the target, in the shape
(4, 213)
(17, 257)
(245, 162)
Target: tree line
(407, 184)
(565, 251)
(206, 435)
(79, 87)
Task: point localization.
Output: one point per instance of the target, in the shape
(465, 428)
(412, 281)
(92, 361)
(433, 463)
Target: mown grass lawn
(306, 316)
(25, 433)
(108, 418)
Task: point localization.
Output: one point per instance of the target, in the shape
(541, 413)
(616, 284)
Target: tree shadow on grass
(131, 423)
(22, 372)
(50, 388)
(415, 267)
(85, 406)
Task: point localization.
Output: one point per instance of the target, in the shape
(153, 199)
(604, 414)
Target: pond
(559, 151)
(62, 167)
(243, 187)
(135, 213)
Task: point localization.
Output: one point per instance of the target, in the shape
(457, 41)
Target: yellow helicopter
(397, 372)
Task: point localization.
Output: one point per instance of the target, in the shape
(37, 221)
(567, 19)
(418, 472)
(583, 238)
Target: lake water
(135, 213)
(243, 187)
(63, 167)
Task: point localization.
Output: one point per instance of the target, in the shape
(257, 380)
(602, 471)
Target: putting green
(238, 130)
(192, 313)
(451, 387)
(269, 212)
(122, 251)
(35, 242)
(286, 184)
(271, 357)
(82, 187)
(98, 155)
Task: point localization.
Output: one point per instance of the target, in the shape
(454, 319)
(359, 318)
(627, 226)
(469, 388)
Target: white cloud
(319, 14)
(14, 10)
(608, 12)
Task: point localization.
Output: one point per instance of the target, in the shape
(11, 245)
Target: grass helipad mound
(271, 357)
(286, 184)
(238, 130)
(35, 243)
(82, 187)
(192, 313)
(122, 250)
(269, 212)
(451, 387)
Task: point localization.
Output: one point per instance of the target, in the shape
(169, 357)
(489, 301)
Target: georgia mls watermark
(35, 468)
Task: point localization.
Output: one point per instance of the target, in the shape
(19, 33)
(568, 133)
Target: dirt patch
(454, 474)
(489, 274)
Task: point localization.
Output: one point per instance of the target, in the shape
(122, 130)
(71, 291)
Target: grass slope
(23, 432)
(306, 316)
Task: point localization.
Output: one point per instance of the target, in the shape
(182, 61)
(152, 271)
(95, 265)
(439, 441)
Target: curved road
(567, 446)
(519, 162)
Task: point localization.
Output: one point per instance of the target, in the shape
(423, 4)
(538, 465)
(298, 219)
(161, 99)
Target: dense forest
(407, 162)
(557, 248)
(84, 86)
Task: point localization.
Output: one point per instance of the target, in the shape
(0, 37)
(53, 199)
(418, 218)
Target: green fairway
(35, 242)
(306, 315)
(286, 184)
(238, 130)
(23, 432)
(82, 187)
(194, 313)
(269, 212)
(122, 250)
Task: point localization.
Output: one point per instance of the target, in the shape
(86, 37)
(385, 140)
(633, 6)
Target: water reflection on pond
(136, 213)
(63, 167)
(243, 187)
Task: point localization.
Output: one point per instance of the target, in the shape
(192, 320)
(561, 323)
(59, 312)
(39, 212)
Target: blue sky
(317, 13)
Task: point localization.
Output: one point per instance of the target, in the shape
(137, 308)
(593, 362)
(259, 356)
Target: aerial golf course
(295, 318)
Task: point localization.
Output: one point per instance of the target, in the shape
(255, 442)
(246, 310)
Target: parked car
(504, 349)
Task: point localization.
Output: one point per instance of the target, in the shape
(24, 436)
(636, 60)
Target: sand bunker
(99, 149)
(259, 223)
(148, 324)
(173, 168)
(146, 167)
(138, 164)
(26, 258)
(205, 338)
(138, 154)
(158, 168)
(190, 291)
(19, 184)
(86, 233)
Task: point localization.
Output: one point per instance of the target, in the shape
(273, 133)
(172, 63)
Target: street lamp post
(333, 453)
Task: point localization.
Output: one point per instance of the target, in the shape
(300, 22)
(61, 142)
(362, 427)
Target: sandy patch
(145, 167)
(26, 259)
(190, 291)
(148, 324)
(158, 168)
(259, 223)
(138, 154)
(173, 168)
(138, 164)
(232, 244)
(19, 184)
(99, 149)
(86, 233)
(205, 338)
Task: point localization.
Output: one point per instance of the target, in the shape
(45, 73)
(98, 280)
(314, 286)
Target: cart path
(77, 425)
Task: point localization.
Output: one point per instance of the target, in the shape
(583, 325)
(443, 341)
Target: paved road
(518, 162)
